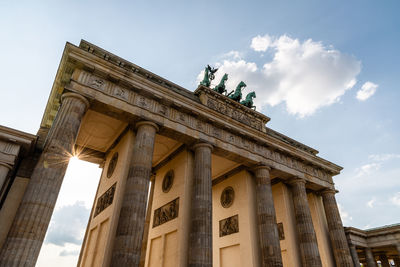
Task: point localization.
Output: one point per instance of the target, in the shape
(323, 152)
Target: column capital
(328, 191)
(296, 180)
(8, 166)
(77, 96)
(202, 144)
(262, 166)
(150, 123)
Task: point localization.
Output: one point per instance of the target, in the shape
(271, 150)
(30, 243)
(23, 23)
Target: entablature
(184, 107)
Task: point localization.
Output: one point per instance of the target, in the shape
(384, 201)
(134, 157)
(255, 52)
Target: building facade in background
(189, 178)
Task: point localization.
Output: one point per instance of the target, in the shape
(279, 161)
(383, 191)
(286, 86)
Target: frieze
(211, 129)
(223, 107)
(166, 213)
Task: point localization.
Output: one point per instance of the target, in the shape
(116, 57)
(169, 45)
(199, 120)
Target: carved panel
(105, 200)
(229, 226)
(166, 213)
(168, 181)
(227, 197)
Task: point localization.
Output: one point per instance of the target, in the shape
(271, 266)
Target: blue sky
(306, 60)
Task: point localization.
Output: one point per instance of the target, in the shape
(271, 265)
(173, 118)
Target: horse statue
(208, 76)
(237, 94)
(220, 88)
(248, 102)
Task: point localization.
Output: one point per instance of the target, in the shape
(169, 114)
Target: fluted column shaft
(267, 227)
(336, 231)
(384, 260)
(354, 255)
(33, 216)
(307, 238)
(128, 238)
(147, 224)
(200, 240)
(370, 258)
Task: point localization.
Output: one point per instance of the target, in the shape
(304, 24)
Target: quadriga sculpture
(208, 76)
(237, 94)
(220, 88)
(248, 102)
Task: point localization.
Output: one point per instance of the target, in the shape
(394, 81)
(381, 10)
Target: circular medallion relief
(112, 165)
(167, 181)
(227, 197)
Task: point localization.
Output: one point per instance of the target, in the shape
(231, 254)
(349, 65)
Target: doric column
(4, 169)
(33, 216)
(147, 223)
(267, 227)
(336, 230)
(128, 238)
(200, 240)
(305, 228)
(370, 258)
(354, 254)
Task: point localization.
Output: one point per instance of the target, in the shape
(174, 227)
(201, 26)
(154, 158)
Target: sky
(325, 72)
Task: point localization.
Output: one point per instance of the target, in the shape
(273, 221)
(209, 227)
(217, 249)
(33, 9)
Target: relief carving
(120, 93)
(168, 181)
(227, 197)
(96, 82)
(105, 200)
(166, 213)
(229, 226)
(162, 110)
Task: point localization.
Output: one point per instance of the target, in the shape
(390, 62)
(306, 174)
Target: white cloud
(366, 91)
(68, 224)
(236, 55)
(65, 256)
(261, 43)
(396, 199)
(303, 75)
(65, 253)
(371, 203)
(346, 218)
(367, 169)
(383, 157)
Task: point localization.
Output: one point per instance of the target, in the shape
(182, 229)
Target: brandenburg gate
(189, 178)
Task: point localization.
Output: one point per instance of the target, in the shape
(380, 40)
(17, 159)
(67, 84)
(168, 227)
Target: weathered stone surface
(307, 238)
(370, 258)
(128, 239)
(32, 219)
(336, 231)
(147, 224)
(267, 227)
(200, 240)
(354, 255)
